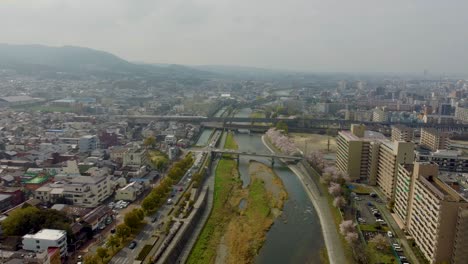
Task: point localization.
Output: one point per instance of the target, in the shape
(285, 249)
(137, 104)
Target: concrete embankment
(309, 179)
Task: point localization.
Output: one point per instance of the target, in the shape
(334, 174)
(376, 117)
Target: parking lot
(364, 205)
(369, 213)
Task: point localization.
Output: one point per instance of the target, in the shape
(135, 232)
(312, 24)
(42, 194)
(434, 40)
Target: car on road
(361, 220)
(389, 234)
(132, 245)
(154, 219)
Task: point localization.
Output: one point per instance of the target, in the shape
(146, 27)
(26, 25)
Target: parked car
(112, 231)
(389, 234)
(361, 220)
(132, 245)
(169, 201)
(369, 204)
(373, 195)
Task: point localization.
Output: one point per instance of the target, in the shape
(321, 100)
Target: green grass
(359, 189)
(205, 248)
(372, 228)
(377, 256)
(258, 200)
(230, 142)
(144, 252)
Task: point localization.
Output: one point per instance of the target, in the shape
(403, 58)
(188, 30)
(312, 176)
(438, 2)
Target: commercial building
(45, 239)
(434, 214)
(353, 151)
(402, 133)
(433, 139)
(87, 143)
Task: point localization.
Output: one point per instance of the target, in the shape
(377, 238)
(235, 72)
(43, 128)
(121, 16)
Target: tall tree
(102, 253)
(122, 231)
(91, 259)
(112, 242)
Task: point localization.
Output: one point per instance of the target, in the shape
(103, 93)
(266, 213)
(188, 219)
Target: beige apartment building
(353, 151)
(390, 155)
(433, 139)
(461, 114)
(402, 133)
(434, 214)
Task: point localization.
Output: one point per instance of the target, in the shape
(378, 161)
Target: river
(296, 235)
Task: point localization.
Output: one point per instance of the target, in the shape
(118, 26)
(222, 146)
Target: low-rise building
(45, 239)
(85, 191)
(130, 192)
(88, 143)
(135, 157)
(448, 160)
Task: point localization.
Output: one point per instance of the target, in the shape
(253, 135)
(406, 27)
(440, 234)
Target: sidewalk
(329, 231)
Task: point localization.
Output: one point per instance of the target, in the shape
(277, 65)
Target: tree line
(159, 194)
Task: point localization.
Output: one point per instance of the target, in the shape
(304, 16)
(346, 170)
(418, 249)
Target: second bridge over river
(272, 156)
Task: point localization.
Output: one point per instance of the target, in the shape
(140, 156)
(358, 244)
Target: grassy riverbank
(233, 233)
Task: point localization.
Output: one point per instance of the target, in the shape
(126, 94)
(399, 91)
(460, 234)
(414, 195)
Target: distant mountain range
(79, 62)
(72, 60)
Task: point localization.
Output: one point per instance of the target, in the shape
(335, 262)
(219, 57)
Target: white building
(44, 239)
(170, 139)
(135, 156)
(87, 143)
(84, 191)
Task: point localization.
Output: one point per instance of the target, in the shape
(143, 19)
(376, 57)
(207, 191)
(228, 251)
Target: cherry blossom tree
(335, 189)
(339, 202)
(347, 226)
(351, 237)
(282, 142)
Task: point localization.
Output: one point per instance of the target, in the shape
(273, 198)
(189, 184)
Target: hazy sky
(310, 35)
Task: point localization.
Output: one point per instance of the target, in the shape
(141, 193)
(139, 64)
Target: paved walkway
(329, 231)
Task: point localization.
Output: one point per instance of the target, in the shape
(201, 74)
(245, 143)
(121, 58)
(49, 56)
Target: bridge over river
(254, 154)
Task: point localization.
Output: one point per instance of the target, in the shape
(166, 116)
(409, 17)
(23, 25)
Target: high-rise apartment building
(379, 115)
(434, 214)
(390, 155)
(352, 155)
(433, 139)
(461, 114)
(402, 133)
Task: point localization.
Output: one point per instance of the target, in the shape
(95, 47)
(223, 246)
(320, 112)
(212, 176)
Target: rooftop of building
(47, 234)
(368, 135)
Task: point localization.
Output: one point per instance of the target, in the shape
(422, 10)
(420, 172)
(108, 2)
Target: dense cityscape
(185, 168)
(233, 132)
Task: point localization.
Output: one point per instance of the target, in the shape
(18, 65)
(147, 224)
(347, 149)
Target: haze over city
(233, 132)
(303, 35)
